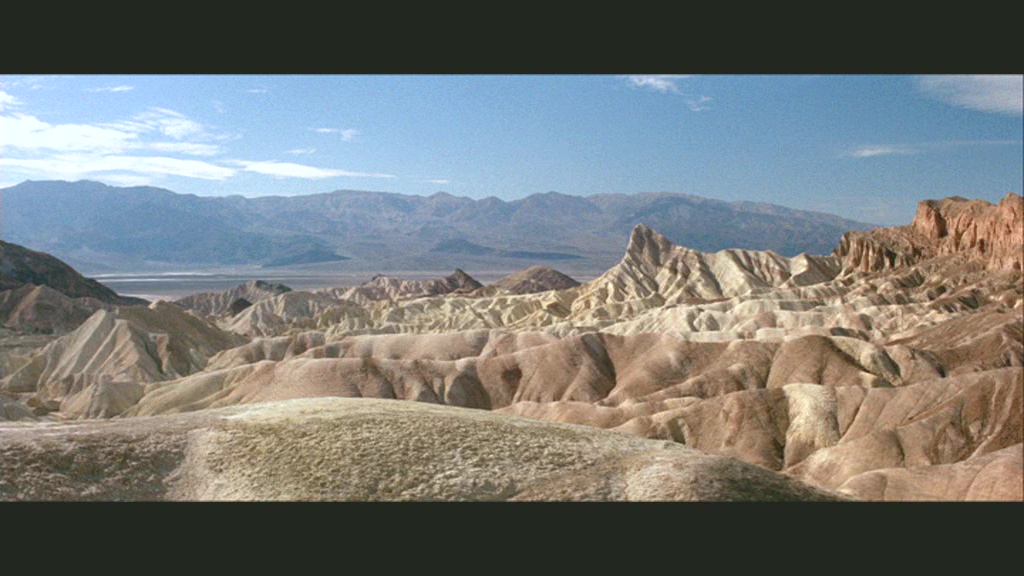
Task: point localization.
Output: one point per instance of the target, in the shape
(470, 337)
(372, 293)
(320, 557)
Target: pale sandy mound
(338, 449)
(97, 370)
(529, 281)
(389, 288)
(220, 303)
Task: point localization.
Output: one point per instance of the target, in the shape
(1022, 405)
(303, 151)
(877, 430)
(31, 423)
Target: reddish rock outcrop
(992, 234)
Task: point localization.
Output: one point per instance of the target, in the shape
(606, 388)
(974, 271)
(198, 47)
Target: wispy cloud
(347, 134)
(190, 148)
(301, 151)
(116, 151)
(162, 120)
(669, 84)
(869, 150)
(663, 83)
(24, 132)
(72, 166)
(999, 94)
(259, 90)
(440, 181)
(28, 134)
(292, 170)
(111, 89)
(699, 104)
(7, 100)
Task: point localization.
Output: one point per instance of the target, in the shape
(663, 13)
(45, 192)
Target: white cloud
(1000, 94)
(870, 150)
(292, 170)
(111, 89)
(259, 90)
(699, 104)
(440, 181)
(301, 151)
(663, 83)
(190, 148)
(167, 122)
(40, 150)
(74, 166)
(26, 132)
(7, 100)
(348, 134)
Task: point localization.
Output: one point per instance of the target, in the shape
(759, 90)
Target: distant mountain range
(100, 228)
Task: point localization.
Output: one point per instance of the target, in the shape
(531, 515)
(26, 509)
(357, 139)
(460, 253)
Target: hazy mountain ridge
(103, 227)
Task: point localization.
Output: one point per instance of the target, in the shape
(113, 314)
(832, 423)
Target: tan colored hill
(344, 449)
(388, 288)
(98, 369)
(41, 309)
(220, 303)
(529, 281)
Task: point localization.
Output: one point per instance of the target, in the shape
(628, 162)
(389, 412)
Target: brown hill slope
(20, 266)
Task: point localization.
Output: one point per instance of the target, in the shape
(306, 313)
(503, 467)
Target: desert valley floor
(891, 369)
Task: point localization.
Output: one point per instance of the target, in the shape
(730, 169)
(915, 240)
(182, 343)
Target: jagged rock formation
(654, 272)
(224, 303)
(338, 449)
(979, 230)
(990, 233)
(20, 266)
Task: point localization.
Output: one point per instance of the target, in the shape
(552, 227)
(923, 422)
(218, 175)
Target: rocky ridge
(974, 229)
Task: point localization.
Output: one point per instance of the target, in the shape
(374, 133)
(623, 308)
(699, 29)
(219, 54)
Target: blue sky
(864, 147)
